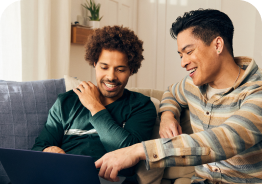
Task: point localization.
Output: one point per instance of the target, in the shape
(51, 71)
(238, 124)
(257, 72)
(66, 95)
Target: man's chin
(110, 94)
(107, 93)
(198, 84)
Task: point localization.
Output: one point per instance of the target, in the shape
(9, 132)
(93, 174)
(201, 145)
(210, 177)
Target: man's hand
(111, 163)
(169, 127)
(54, 149)
(89, 97)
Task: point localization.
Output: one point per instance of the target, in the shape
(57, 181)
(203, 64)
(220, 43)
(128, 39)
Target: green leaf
(93, 8)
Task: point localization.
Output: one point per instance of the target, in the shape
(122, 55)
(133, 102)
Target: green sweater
(70, 125)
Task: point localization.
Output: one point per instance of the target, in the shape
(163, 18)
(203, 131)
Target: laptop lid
(31, 167)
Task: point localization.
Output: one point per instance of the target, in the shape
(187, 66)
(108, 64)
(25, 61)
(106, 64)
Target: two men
(93, 120)
(224, 97)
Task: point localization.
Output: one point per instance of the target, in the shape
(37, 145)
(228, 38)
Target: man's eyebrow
(123, 66)
(102, 63)
(184, 48)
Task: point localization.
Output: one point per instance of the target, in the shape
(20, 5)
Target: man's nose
(111, 75)
(184, 62)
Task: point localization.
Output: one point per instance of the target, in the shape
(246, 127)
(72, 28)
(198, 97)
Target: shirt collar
(246, 63)
(249, 65)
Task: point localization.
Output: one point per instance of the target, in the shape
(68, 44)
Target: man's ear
(94, 64)
(131, 72)
(219, 44)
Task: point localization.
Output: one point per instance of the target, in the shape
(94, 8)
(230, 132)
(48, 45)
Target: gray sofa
(24, 109)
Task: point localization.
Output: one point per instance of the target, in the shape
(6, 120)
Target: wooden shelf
(79, 34)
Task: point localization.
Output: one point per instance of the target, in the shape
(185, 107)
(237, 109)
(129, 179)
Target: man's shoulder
(67, 96)
(137, 100)
(254, 79)
(185, 83)
(136, 96)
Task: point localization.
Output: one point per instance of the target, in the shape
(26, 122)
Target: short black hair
(207, 24)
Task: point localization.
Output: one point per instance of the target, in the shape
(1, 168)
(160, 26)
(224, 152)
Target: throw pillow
(71, 82)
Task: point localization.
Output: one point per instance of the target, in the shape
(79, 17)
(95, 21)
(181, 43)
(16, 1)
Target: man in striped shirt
(224, 97)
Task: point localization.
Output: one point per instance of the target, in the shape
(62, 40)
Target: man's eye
(189, 52)
(121, 70)
(103, 68)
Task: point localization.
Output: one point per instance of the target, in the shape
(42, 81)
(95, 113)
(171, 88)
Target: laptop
(35, 167)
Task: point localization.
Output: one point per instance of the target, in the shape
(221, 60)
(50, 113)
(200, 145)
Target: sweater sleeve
(138, 127)
(174, 99)
(52, 133)
(241, 131)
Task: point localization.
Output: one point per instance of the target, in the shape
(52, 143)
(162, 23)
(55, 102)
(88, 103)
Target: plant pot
(94, 24)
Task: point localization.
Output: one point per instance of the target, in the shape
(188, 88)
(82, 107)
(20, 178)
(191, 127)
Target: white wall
(162, 63)
(162, 67)
(246, 23)
(244, 19)
(258, 39)
(114, 12)
(78, 67)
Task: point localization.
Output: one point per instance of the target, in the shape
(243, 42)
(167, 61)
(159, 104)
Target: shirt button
(207, 113)
(154, 155)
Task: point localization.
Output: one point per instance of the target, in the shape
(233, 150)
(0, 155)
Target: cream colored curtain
(10, 41)
(34, 39)
(45, 35)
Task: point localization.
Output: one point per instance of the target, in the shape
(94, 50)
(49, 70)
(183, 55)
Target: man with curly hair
(93, 120)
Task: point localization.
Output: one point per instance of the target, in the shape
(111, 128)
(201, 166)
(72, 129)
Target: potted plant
(94, 9)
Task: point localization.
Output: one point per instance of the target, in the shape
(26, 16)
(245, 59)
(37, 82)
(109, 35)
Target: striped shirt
(226, 146)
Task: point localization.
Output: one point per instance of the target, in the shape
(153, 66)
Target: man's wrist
(140, 151)
(96, 108)
(167, 114)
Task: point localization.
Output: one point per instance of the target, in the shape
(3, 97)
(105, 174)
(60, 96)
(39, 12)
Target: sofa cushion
(24, 109)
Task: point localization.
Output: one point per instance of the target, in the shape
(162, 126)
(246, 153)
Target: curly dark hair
(207, 24)
(117, 38)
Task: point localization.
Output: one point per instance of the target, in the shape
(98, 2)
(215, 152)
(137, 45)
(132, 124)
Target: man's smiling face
(197, 58)
(112, 73)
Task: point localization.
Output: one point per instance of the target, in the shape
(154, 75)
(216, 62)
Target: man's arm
(111, 163)
(239, 132)
(169, 126)
(138, 126)
(172, 103)
(51, 136)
